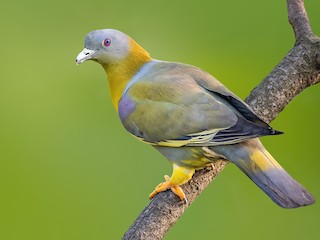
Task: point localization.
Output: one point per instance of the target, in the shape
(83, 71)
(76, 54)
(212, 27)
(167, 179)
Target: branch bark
(299, 69)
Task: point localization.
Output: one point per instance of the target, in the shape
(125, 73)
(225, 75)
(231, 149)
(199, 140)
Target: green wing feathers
(182, 105)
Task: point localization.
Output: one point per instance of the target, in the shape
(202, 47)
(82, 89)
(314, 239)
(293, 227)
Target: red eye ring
(106, 42)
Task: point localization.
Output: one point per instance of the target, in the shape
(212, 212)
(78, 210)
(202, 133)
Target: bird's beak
(85, 55)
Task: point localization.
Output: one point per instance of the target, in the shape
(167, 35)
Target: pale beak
(85, 55)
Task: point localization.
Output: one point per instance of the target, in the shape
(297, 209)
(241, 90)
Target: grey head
(106, 46)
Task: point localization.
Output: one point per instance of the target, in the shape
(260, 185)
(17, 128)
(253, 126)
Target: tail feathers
(257, 163)
(278, 185)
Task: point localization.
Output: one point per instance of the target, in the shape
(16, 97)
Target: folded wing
(182, 105)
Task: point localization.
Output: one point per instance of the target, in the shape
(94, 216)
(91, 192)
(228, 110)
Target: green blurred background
(68, 169)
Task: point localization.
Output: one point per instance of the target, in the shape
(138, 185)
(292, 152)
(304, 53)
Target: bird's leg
(179, 176)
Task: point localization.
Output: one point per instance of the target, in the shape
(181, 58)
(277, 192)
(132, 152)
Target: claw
(176, 189)
(167, 178)
(160, 188)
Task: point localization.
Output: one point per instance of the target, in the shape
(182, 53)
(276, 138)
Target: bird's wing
(174, 105)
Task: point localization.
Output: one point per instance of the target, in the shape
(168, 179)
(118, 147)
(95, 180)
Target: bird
(187, 115)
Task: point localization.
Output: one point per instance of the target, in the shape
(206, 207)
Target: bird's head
(120, 56)
(108, 47)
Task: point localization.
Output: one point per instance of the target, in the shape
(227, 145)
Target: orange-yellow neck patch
(120, 74)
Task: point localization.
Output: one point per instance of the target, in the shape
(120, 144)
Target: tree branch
(299, 69)
(299, 20)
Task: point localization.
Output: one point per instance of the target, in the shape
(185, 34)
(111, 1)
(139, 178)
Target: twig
(299, 20)
(299, 69)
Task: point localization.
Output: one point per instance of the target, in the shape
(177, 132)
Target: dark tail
(257, 163)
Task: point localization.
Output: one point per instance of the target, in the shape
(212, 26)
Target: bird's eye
(106, 42)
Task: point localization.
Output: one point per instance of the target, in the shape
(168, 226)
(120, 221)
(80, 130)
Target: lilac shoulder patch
(126, 107)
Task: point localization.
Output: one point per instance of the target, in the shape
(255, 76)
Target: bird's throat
(121, 73)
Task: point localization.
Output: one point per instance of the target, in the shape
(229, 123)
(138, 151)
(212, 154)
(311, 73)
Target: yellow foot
(176, 189)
